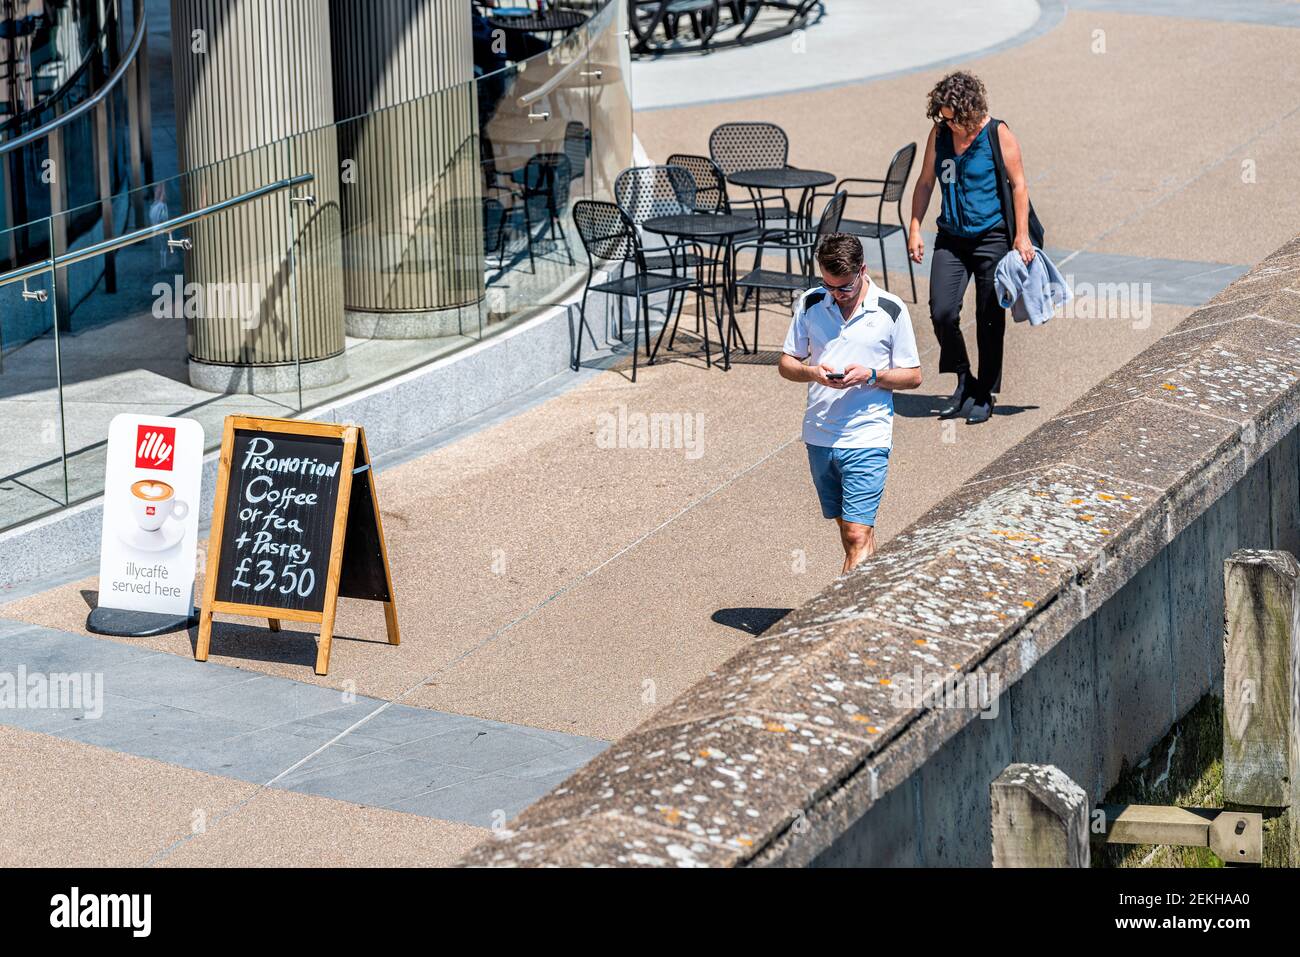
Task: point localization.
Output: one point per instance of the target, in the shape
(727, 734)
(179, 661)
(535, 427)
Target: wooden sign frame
(353, 438)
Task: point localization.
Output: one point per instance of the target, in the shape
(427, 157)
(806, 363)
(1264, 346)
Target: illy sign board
(151, 517)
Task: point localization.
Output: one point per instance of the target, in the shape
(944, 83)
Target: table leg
(729, 293)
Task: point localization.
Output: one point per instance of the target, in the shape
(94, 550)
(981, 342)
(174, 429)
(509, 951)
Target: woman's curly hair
(964, 94)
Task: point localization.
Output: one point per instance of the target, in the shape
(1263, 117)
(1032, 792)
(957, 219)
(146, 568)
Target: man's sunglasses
(846, 288)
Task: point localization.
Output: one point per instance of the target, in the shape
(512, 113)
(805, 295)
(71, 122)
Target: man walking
(852, 342)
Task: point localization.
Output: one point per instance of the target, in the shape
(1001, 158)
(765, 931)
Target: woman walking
(973, 235)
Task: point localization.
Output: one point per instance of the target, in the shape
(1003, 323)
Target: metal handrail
(128, 239)
(85, 106)
(528, 99)
(97, 49)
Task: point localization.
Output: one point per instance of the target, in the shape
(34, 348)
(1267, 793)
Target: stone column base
(212, 377)
(433, 324)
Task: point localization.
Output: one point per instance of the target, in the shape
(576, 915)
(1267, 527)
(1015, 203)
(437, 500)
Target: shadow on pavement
(915, 406)
(753, 621)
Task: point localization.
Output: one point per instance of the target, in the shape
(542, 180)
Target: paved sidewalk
(842, 47)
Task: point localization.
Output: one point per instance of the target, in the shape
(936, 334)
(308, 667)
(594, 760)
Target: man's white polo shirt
(879, 336)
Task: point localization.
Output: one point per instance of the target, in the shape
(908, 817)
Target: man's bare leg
(859, 542)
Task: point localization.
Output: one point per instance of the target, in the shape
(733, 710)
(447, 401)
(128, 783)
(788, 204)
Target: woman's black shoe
(959, 403)
(980, 411)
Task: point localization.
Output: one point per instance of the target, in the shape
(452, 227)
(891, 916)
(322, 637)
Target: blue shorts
(849, 481)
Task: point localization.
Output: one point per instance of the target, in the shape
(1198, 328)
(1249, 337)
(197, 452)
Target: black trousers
(955, 260)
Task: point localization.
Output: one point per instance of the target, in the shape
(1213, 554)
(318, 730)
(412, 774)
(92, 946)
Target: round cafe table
(783, 180)
(551, 22)
(718, 230)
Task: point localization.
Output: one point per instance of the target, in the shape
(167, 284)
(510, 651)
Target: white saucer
(168, 536)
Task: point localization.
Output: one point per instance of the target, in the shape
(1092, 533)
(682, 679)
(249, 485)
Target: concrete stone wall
(1079, 575)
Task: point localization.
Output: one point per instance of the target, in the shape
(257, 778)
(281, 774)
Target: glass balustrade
(415, 231)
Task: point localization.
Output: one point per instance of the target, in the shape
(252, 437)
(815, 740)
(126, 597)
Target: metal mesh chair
(759, 278)
(710, 183)
(749, 145)
(496, 219)
(890, 190)
(577, 147)
(737, 146)
(609, 236)
(644, 192)
(546, 184)
(710, 197)
(646, 17)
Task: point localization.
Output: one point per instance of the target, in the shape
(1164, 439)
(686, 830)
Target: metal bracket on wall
(34, 295)
(1235, 837)
(309, 199)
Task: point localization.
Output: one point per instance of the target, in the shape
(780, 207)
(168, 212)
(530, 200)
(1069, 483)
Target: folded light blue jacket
(1032, 292)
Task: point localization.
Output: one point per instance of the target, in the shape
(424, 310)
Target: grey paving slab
(556, 765)
(257, 756)
(254, 727)
(114, 710)
(374, 779)
(396, 724)
(1171, 281)
(167, 679)
(267, 701)
(48, 650)
(486, 801)
(479, 748)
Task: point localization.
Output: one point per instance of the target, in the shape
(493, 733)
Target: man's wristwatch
(872, 380)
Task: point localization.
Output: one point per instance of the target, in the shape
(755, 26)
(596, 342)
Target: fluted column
(408, 148)
(254, 104)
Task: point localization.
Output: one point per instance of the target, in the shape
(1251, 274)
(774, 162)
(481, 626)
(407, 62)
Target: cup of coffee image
(153, 502)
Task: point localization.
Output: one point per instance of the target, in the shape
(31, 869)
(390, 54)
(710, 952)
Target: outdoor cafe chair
(647, 16)
(577, 147)
(710, 183)
(674, 189)
(889, 190)
(760, 279)
(546, 184)
(644, 192)
(609, 236)
(752, 145)
(710, 197)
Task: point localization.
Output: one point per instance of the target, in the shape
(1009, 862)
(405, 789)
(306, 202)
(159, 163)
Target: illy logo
(154, 445)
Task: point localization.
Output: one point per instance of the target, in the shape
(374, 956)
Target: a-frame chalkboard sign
(295, 526)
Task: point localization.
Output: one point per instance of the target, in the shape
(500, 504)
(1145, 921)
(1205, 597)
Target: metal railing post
(104, 188)
(56, 170)
(133, 140)
(145, 101)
